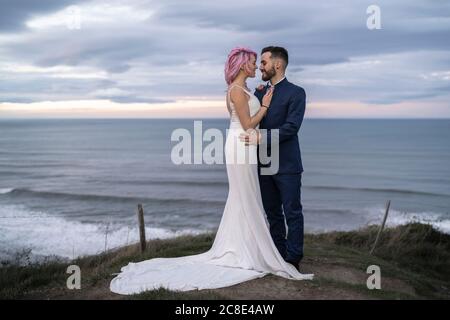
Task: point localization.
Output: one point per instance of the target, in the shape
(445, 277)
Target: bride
(243, 248)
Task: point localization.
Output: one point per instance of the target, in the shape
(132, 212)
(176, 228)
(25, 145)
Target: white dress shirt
(273, 85)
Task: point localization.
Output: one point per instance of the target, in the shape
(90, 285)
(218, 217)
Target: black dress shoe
(295, 264)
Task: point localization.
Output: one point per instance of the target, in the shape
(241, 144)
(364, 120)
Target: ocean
(70, 187)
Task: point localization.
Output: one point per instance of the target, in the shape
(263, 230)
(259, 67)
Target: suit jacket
(286, 113)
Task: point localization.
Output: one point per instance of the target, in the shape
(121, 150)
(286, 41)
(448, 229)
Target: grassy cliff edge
(414, 260)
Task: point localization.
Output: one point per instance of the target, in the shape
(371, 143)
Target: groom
(281, 191)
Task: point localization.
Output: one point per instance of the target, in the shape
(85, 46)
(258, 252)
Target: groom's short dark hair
(277, 52)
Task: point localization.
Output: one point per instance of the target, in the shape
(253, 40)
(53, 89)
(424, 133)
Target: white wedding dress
(243, 248)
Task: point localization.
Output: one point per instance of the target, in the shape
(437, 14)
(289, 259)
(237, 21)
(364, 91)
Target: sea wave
(6, 190)
(387, 190)
(211, 183)
(24, 192)
(397, 217)
(48, 235)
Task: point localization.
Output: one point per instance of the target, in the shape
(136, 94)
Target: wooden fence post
(388, 204)
(141, 227)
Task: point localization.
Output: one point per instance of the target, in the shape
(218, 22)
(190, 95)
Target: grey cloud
(37, 88)
(180, 51)
(14, 13)
(390, 97)
(133, 99)
(397, 98)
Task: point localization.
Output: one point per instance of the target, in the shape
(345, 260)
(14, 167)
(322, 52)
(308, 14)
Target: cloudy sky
(143, 58)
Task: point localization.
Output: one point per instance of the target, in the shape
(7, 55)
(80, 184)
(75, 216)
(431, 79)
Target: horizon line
(209, 118)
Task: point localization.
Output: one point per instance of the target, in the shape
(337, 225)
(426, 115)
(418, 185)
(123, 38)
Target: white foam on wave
(47, 235)
(6, 190)
(396, 217)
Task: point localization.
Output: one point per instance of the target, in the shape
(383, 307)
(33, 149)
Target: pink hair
(238, 57)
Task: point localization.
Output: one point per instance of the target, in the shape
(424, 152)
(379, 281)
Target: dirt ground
(331, 282)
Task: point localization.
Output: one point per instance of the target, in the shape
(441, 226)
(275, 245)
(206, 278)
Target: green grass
(18, 281)
(163, 294)
(416, 253)
(415, 246)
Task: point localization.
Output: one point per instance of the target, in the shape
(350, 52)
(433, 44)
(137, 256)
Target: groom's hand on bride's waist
(250, 137)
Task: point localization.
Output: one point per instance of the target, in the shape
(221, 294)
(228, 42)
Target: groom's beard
(267, 75)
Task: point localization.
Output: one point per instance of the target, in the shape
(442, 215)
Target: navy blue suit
(282, 191)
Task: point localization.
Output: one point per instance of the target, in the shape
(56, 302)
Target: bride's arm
(240, 101)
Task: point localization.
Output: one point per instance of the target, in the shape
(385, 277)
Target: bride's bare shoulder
(238, 94)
